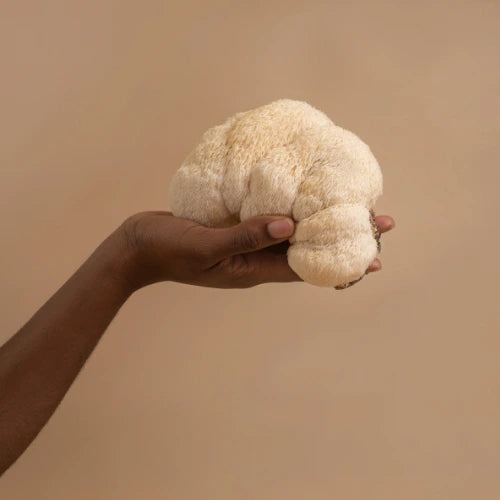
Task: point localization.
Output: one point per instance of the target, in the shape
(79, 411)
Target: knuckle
(243, 273)
(249, 239)
(238, 266)
(238, 276)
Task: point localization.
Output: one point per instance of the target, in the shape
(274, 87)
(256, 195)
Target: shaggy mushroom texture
(288, 158)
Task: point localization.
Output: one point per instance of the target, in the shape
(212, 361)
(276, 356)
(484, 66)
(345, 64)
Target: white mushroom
(288, 158)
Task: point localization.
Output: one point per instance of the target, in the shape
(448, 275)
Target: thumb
(253, 234)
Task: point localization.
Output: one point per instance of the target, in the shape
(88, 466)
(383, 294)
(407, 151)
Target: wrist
(116, 258)
(134, 265)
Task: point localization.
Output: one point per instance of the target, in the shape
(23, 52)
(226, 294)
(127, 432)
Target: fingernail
(280, 228)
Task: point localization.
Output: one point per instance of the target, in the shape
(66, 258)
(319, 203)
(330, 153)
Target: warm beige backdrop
(388, 390)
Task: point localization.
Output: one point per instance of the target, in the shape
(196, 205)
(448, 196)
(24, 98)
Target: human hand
(161, 247)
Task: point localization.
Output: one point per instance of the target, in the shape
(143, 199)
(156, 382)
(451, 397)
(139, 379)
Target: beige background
(388, 390)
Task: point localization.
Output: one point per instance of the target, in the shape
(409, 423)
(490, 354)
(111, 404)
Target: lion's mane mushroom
(288, 158)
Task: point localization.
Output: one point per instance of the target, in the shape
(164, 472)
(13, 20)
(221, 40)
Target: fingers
(251, 235)
(376, 265)
(384, 223)
(263, 240)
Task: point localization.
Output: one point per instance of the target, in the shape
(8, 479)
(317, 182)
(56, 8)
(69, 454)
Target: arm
(40, 362)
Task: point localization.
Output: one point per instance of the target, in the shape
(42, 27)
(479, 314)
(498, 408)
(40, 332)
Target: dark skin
(40, 362)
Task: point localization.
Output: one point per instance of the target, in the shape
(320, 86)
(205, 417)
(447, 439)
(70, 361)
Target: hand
(162, 247)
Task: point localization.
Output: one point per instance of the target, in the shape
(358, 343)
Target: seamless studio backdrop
(389, 389)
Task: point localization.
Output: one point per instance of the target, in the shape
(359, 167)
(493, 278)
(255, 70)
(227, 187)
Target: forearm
(40, 362)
